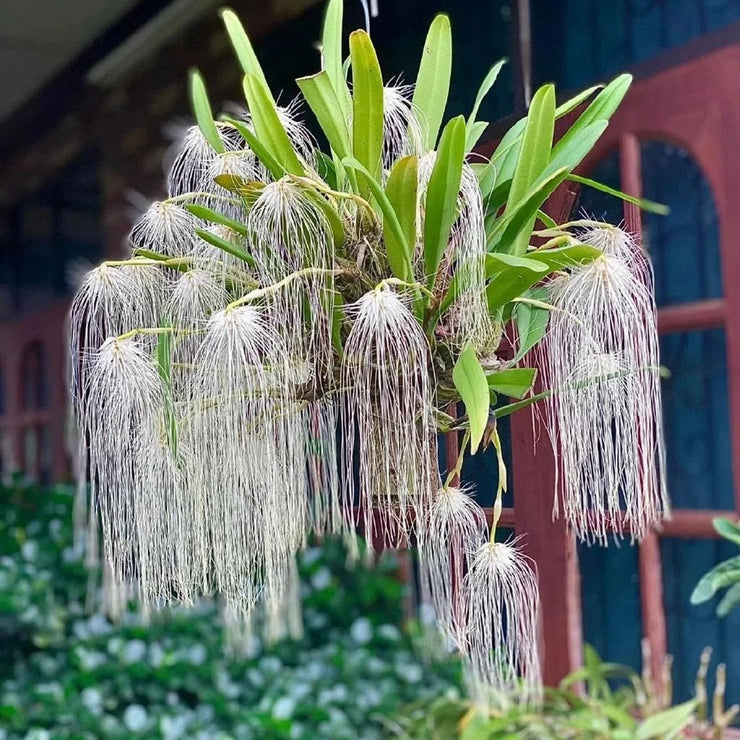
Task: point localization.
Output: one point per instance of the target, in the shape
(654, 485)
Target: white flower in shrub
(197, 654)
(361, 630)
(321, 579)
(92, 700)
(283, 708)
(135, 718)
(134, 652)
(389, 632)
(410, 672)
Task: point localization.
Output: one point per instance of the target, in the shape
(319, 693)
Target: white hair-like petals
(602, 361)
(387, 409)
(502, 599)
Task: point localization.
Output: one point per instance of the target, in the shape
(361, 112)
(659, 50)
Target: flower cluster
(278, 353)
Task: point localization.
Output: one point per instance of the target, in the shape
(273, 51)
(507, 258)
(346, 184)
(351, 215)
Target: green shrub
(68, 673)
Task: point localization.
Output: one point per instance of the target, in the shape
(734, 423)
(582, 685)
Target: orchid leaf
(514, 382)
(268, 127)
(208, 214)
(534, 156)
(331, 52)
(322, 100)
(440, 207)
(472, 385)
(367, 97)
(202, 110)
(225, 245)
(243, 48)
(433, 80)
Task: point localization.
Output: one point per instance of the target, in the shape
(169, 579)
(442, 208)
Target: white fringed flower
(602, 361)
(191, 166)
(291, 234)
(402, 129)
(455, 525)
(166, 228)
(111, 301)
(234, 431)
(501, 653)
(194, 297)
(387, 407)
(132, 473)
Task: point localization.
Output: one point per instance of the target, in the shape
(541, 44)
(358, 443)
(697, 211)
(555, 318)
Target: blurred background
(93, 92)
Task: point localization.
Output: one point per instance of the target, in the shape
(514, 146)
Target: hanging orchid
(279, 353)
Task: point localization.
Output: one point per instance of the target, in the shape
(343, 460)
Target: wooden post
(550, 545)
(650, 566)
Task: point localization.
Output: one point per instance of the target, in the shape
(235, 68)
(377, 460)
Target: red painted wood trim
(550, 545)
(695, 524)
(710, 314)
(650, 565)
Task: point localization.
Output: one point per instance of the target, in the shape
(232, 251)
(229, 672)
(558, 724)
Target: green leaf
(225, 245)
(402, 192)
(440, 207)
(729, 601)
(267, 125)
(485, 87)
(393, 232)
(534, 156)
(472, 385)
(507, 152)
(473, 134)
(722, 575)
(512, 232)
(560, 258)
(536, 144)
(202, 111)
(646, 205)
(331, 52)
(579, 146)
(599, 112)
(433, 79)
(274, 167)
(727, 529)
(322, 100)
(208, 214)
(512, 382)
(510, 284)
(243, 47)
(367, 97)
(666, 723)
(501, 262)
(249, 190)
(531, 323)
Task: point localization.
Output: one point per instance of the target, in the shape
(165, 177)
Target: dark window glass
(691, 628)
(578, 42)
(610, 596)
(684, 245)
(697, 420)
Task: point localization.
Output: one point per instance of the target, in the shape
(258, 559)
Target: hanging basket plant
(281, 350)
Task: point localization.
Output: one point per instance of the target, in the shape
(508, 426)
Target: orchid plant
(294, 329)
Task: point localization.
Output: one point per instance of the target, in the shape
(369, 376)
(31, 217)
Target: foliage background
(69, 673)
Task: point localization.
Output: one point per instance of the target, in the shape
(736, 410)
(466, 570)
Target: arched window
(684, 249)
